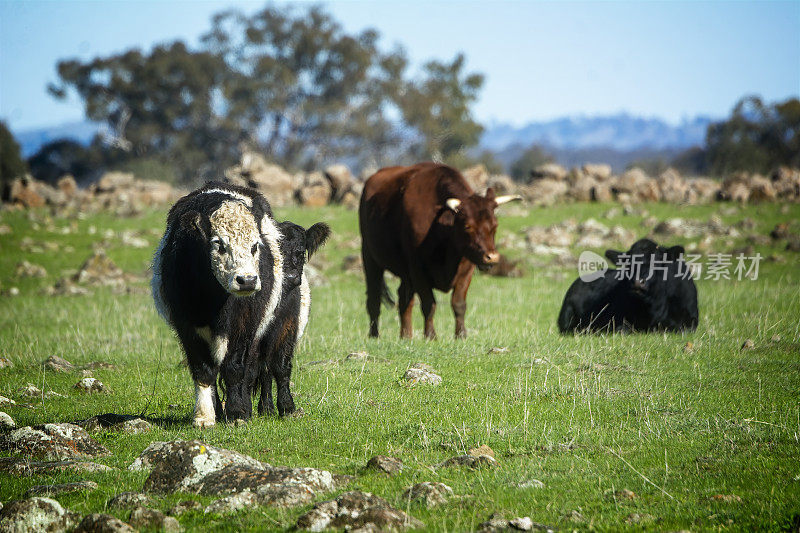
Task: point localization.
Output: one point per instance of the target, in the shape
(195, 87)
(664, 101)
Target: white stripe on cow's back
(272, 235)
(305, 306)
(233, 194)
(157, 281)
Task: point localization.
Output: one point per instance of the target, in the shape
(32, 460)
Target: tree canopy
(289, 82)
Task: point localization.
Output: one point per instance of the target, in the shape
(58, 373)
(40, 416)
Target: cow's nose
(491, 258)
(246, 283)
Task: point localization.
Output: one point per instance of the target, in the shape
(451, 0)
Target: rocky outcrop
(35, 515)
(52, 442)
(356, 510)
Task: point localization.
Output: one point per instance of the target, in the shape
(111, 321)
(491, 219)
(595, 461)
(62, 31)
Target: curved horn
(453, 204)
(500, 200)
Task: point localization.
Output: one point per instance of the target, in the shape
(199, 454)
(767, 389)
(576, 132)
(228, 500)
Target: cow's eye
(254, 249)
(220, 247)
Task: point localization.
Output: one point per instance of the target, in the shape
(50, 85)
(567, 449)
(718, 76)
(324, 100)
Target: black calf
(651, 291)
(291, 316)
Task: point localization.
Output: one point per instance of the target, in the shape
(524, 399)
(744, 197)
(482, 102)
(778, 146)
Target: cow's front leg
(238, 404)
(428, 305)
(204, 402)
(197, 347)
(405, 300)
(458, 300)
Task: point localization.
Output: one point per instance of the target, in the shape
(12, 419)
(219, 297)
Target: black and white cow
(291, 316)
(217, 279)
(651, 291)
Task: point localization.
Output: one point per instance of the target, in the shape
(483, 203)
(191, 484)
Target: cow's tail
(386, 296)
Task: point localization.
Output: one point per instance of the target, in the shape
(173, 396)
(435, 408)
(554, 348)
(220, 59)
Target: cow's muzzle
(246, 284)
(488, 260)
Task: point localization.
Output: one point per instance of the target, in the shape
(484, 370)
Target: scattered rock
(90, 385)
(185, 507)
(470, 461)
(52, 442)
(35, 515)
(99, 269)
(422, 373)
(103, 523)
(429, 493)
(6, 422)
(30, 390)
(688, 347)
(383, 463)
(146, 518)
(361, 356)
(481, 450)
(531, 484)
(98, 365)
(19, 466)
(748, 345)
(233, 503)
(5, 363)
(129, 500)
(356, 510)
(62, 488)
(624, 494)
(497, 523)
(30, 270)
(352, 264)
(496, 349)
(775, 338)
(7, 401)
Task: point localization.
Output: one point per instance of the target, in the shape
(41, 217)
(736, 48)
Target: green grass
(585, 415)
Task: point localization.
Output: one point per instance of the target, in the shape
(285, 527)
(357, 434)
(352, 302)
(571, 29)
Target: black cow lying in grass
(651, 291)
(217, 280)
(277, 347)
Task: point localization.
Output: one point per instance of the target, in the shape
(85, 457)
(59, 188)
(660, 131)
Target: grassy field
(588, 416)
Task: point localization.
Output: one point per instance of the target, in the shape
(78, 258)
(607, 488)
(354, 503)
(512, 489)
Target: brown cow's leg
(405, 300)
(428, 305)
(374, 277)
(459, 298)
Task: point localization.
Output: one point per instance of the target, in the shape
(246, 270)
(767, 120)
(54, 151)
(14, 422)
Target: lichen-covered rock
(129, 500)
(429, 493)
(238, 477)
(30, 391)
(524, 523)
(422, 373)
(35, 515)
(52, 442)
(103, 523)
(383, 463)
(353, 510)
(61, 488)
(90, 385)
(470, 461)
(22, 466)
(233, 503)
(146, 518)
(6, 422)
(5, 363)
(6, 401)
(58, 364)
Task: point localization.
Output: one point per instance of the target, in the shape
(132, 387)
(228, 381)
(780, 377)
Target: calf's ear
(613, 255)
(675, 252)
(193, 222)
(316, 236)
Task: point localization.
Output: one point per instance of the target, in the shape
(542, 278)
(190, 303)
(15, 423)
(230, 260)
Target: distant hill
(622, 132)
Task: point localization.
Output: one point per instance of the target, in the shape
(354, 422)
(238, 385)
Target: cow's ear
(613, 256)
(193, 222)
(675, 252)
(316, 236)
(453, 204)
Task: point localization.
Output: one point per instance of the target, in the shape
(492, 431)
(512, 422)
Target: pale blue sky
(541, 59)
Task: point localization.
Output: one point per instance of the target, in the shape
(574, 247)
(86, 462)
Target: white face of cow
(235, 247)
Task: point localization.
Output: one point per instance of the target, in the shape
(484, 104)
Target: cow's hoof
(202, 422)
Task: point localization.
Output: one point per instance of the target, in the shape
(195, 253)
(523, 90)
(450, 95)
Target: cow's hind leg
(238, 403)
(428, 305)
(373, 274)
(405, 299)
(265, 404)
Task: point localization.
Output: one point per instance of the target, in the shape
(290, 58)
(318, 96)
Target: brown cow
(424, 224)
